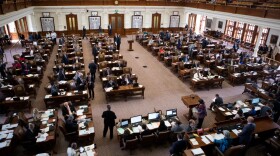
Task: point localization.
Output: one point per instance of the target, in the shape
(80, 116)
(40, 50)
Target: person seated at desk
(217, 101)
(224, 143)
(252, 112)
(71, 125)
(179, 146)
(206, 72)
(65, 59)
(61, 74)
(76, 59)
(177, 128)
(239, 114)
(68, 109)
(161, 50)
(185, 58)
(126, 80)
(80, 82)
(71, 151)
(266, 110)
(25, 68)
(151, 41)
(106, 72)
(245, 135)
(191, 126)
(17, 65)
(54, 89)
(126, 136)
(145, 131)
(120, 63)
(162, 127)
(31, 134)
(197, 75)
(111, 83)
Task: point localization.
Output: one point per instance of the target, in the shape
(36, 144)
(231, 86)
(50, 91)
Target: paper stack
(193, 141)
(197, 151)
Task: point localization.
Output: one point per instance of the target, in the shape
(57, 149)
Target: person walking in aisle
(201, 113)
(109, 121)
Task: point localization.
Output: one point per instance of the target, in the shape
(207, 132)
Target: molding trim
(15, 15)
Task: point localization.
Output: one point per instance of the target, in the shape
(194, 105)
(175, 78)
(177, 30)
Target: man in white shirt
(53, 36)
(71, 151)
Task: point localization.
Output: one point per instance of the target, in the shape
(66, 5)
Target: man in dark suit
(118, 42)
(109, 121)
(111, 83)
(146, 131)
(71, 125)
(109, 29)
(92, 68)
(106, 72)
(246, 135)
(95, 52)
(90, 85)
(65, 59)
(61, 74)
(218, 101)
(84, 32)
(179, 146)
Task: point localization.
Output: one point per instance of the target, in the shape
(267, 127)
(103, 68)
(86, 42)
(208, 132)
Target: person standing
(92, 68)
(110, 29)
(53, 36)
(245, 135)
(22, 40)
(3, 69)
(109, 121)
(95, 52)
(118, 42)
(201, 112)
(84, 32)
(90, 85)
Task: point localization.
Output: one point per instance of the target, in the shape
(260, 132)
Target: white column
(197, 24)
(260, 29)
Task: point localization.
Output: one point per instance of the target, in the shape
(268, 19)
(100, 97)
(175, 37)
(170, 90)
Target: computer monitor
(136, 119)
(171, 112)
(255, 100)
(153, 116)
(124, 123)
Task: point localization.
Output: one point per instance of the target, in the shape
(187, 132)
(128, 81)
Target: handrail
(273, 60)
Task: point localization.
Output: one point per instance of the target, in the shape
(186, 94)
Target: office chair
(232, 151)
(147, 140)
(163, 136)
(131, 145)
(70, 137)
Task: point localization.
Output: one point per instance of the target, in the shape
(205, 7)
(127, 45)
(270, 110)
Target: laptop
(255, 101)
(124, 123)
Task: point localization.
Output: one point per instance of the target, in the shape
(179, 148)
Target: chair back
(242, 68)
(115, 57)
(114, 78)
(131, 144)
(234, 150)
(103, 65)
(148, 139)
(61, 126)
(163, 136)
(175, 59)
(19, 90)
(181, 66)
(101, 57)
(127, 70)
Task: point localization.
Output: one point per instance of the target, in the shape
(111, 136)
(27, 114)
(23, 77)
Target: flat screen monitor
(255, 100)
(124, 123)
(171, 112)
(153, 116)
(136, 119)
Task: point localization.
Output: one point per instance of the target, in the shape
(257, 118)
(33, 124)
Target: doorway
(72, 23)
(117, 22)
(156, 20)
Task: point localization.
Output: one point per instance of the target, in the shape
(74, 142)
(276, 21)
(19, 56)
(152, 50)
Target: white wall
(274, 32)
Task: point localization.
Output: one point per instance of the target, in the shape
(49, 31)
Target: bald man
(246, 135)
(109, 121)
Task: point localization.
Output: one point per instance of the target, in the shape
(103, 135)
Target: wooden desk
(207, 82)
(241, 78)
(124, 92)
(257, 91)
(55, 101)
(23, 103)
(190, 101)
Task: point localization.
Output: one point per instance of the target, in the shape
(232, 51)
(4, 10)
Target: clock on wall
(116, 2)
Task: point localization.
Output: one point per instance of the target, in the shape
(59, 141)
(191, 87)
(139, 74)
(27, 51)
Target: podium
(130, 45)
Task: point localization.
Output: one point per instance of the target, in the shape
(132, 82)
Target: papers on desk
(197, 151)
(167, 123)
(120, 131)
(228, 113)
(45, 119)
(235, 131)
(5, 127)
(42, 137)
(26, 98)
(257, 108)
(31, 86)
(47, 96)
(245, 110)
(85, 92)
(62, 82)
(85, 132)
(3, 144)
(234, 112)
(108, 89)
(80, 112)
(69, 94)
(140, 86)
(155, 124)
(81, 125)
(150, 126)
(135, 129)
(29, 75)
(10, 136)
(210, 137)
(193, 141)
(47, 129)
(9, 98)
(91, 130)
(104, 79)
(205, 140)
(3, 136)
(221, 109)
(218, 136)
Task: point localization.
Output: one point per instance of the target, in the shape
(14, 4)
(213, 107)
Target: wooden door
(21, 27)
(117, 22)
(192, 21)
(72, 23)
(156, 20)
